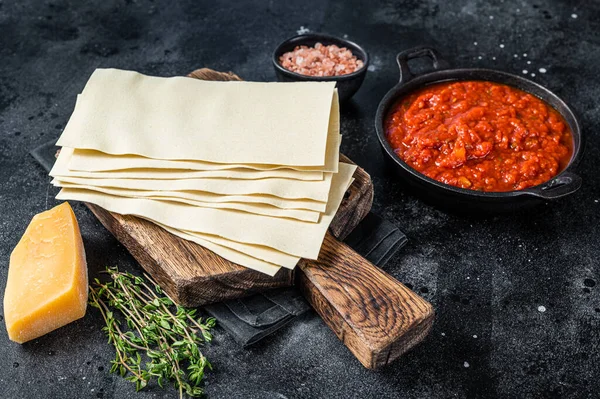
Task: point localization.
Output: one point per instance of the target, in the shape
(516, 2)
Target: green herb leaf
(165, 336)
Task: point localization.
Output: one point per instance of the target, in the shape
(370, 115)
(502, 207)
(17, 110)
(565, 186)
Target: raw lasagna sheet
(200, 196)
(256, 251)
(292, 237)
(147, 171)
(266, 254)
(284, 188)
(124, 112)
(227, 253)
(258, 209)
(96, 161)
(181, 174)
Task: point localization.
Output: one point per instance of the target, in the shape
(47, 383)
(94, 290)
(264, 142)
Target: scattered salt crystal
(525, 72)
(302, 30)
(518, 10)
(532, 74)
(345, 36)
(543, 70)
(574, 16)
(502, 46)
(541, 308)
(528, 62)
(475, 43)
(468, 278)
(525, 55)
(443, 334)
(480, 57)
(596, 201)
(491, 17)
(466, 364)
(475, 336)
(494, 58)
(515, 55)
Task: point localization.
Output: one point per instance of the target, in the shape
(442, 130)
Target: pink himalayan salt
(321, 60)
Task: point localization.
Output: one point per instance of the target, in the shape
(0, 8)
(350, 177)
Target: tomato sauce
(479, 135)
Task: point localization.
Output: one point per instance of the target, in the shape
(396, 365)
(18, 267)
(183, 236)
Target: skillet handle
(417, 52)
(564, 184)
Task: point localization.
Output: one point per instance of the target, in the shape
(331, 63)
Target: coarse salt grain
(321, 60)
(543, 70)
(525, 71)
(502, 46)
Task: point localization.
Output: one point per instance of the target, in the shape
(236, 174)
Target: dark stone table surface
(517, 297)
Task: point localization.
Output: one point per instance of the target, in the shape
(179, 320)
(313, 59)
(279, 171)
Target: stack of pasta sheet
(248, 170)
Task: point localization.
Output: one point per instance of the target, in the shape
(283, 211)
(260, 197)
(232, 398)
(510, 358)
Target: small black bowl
(347, 85)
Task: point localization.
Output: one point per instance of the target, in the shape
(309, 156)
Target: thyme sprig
(145, 326)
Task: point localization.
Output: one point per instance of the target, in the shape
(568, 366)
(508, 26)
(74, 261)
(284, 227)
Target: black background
(485, 277)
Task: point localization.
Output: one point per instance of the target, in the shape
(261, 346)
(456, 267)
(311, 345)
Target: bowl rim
(363, 56)
(422, 80)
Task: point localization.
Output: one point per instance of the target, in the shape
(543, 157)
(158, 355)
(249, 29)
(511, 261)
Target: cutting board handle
(376, 317)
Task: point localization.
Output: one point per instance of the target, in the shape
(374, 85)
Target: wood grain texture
(195, 276)
(374, 315)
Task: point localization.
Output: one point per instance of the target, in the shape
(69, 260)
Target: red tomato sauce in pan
(479, 135)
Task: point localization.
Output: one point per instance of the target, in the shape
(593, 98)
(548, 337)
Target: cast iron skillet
(471, 201)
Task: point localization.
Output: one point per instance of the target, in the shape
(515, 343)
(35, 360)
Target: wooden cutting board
(375, 316)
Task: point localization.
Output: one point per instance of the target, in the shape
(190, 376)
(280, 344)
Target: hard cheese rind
(47, 279)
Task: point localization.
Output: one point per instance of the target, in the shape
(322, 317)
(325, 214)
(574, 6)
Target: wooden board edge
(186, 292)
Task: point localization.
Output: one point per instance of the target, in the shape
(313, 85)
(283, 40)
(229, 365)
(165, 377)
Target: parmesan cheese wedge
(47, 285)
